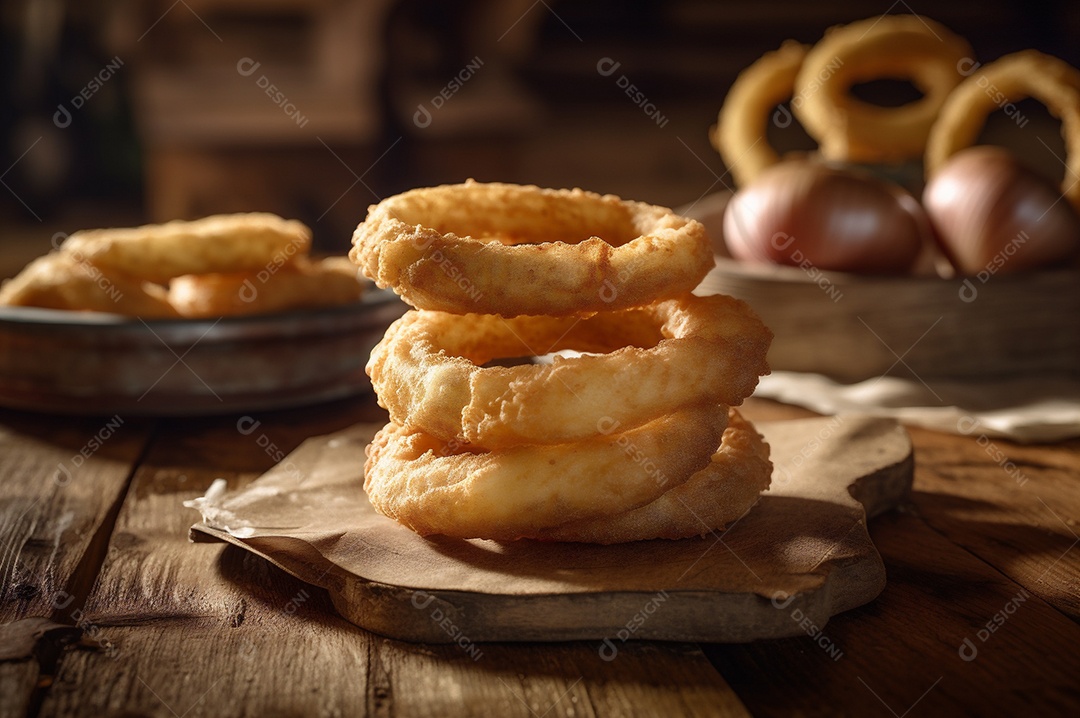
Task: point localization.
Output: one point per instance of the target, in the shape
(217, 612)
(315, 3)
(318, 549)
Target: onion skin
(807, 213)
(993, 214)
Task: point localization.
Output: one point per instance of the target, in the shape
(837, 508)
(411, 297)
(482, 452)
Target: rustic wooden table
(979, 615)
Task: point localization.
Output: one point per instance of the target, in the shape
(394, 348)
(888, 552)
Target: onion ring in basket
(710, 499)
(1009, 79)
(221, 243)
(894, 46)
(436, 488)
(739, 134)
(305, 283)
(427, 369)
(62, 281)
(513, 249)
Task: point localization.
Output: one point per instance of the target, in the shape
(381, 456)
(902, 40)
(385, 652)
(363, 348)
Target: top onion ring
(511, 249)
(739, 133)
(1012, 78)
(894, 46)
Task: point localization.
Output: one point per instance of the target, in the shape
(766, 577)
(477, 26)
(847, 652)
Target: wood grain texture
(185, 628)
(62, 481)
(61, 477)
(903, 652)
(210, 630)
(202, 629)
(854, 327)
(17, 682)
(1015, 506)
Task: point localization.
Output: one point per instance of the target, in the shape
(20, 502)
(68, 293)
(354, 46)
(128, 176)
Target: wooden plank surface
(1015, 506)
(904, 650)
(202, 629)
(61, 484)
(969, 622)
(978, 617)
(61, 478)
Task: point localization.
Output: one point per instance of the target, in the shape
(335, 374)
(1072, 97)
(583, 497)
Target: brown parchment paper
(310, 516)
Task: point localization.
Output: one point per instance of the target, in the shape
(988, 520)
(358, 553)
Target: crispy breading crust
(61, 281)
(305, 283)
(493, 248)
(427, 369)
(221, 243)
(709, 500)
(438, 488)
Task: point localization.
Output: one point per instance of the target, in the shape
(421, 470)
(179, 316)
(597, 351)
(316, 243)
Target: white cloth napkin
(1029, 410)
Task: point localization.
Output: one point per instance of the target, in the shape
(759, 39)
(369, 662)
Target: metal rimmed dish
(88, 363)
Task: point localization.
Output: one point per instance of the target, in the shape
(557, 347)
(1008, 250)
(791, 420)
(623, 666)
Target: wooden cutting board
(799, 557)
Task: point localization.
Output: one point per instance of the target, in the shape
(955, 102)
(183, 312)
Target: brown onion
(993, 214)
(810, 214)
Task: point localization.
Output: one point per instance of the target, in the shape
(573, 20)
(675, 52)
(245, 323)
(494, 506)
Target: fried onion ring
(907, 47)
(438, 488)
(506, 249)
(221, 243)
(304, 284)
(62, 281)
(709, 500)
(427, 369)
(739, 134)
(1010, 79)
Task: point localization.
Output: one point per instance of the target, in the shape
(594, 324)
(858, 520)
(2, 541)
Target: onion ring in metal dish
(61, 280)
(907, 47)
(739, 134)
(494, 248)
(220, 243)
(1011, 78)
(305, 283)
(437, 488)
(427, 371)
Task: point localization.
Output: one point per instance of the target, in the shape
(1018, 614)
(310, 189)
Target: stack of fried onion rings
(630, 438)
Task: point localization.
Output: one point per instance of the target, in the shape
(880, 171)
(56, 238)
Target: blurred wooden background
(316, 108)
